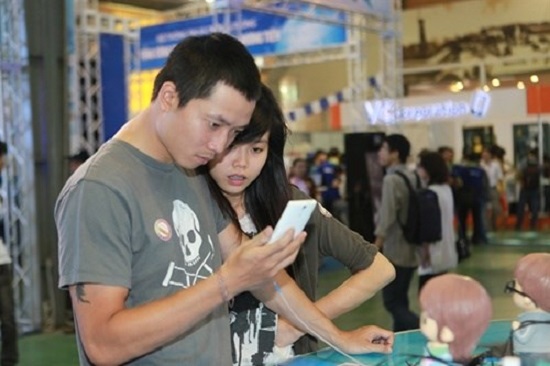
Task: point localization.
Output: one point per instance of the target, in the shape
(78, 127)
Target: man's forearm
(112, 336)
(297, 308)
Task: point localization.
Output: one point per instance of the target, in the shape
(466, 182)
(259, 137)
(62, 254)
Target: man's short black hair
(398, 142)
(3, 148)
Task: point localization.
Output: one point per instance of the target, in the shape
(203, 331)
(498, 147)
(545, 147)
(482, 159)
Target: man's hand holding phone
(252, 264)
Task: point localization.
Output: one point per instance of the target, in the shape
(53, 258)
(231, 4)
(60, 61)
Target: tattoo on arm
(81, 294)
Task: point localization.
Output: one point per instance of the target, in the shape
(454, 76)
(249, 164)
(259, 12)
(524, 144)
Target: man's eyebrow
(219, 118)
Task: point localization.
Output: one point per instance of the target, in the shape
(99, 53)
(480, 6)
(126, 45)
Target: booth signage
(389, 111)
(262, 33)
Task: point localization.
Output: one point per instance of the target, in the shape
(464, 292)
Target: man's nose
(219, 143)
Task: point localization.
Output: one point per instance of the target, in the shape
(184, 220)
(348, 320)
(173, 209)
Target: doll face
(522, 301)
(428, 327)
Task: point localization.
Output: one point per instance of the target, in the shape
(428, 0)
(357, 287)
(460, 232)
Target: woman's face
(239, 166)
(422, 173)
(300, 169)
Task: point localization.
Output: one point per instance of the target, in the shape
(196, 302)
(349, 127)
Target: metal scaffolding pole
(18, 192)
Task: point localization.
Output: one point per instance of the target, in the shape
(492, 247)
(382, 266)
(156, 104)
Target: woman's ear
(446, 335)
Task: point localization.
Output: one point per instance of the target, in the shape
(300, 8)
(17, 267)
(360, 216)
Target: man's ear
(168, 96)
(446, 335)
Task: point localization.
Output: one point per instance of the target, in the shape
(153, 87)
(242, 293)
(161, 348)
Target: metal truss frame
(85, 108)
(386, 83)
(18, 188)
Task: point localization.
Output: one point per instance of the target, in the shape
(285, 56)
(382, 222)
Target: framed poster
(476, 139)
(526, 137)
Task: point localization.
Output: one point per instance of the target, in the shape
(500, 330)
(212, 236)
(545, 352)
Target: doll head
(532, 276)
(455, 310)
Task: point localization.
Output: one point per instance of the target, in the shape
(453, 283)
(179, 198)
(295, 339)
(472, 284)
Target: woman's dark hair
(266, 197)
(435, 166)
(198, 63)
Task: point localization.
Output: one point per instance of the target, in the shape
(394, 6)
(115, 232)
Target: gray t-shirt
(127, 220)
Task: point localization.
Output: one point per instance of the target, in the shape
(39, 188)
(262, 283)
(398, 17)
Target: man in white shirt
(495, 177)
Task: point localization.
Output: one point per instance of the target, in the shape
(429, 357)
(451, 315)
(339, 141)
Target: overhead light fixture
(486, 88)
(456, 86)
(495, 82)
(534, 79)
(520, 85)
(260, 61)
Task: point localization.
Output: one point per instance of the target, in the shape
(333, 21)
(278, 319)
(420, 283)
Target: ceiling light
(520, 85)
(534, 78)
(456, 87)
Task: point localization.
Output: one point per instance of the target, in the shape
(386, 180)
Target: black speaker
(364, 180)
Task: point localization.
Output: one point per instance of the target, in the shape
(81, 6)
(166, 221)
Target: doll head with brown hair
(456, 310)
(532, 276)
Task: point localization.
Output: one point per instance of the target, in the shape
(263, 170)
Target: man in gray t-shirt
(389, 233)
(139, 236)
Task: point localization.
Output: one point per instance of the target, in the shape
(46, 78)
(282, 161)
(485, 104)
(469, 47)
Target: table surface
(408, 349)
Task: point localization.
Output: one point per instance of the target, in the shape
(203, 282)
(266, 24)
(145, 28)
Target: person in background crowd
(529, 175)
(334, 156)
(471, 192)
(389, 235)
(324, 172)
(495, 177)
(8, 324)
(448, 155)
(300, 178)
(250, 185)
(438, 258)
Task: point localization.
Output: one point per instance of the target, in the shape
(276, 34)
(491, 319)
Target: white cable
(312, 332)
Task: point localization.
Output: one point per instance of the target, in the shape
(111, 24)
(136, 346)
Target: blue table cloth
(408, 349)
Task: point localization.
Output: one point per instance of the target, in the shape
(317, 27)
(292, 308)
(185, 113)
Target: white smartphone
(295, 216)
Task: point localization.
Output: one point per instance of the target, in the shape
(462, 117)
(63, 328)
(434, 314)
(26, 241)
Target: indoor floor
(491, 264)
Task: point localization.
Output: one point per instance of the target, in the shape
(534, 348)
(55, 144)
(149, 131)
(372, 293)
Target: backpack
(423, 223)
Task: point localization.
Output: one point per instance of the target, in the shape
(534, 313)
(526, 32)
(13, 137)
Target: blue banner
(262, 33)
(113, 83)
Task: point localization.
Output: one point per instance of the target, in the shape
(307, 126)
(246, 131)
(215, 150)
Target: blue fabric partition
(114, 93)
